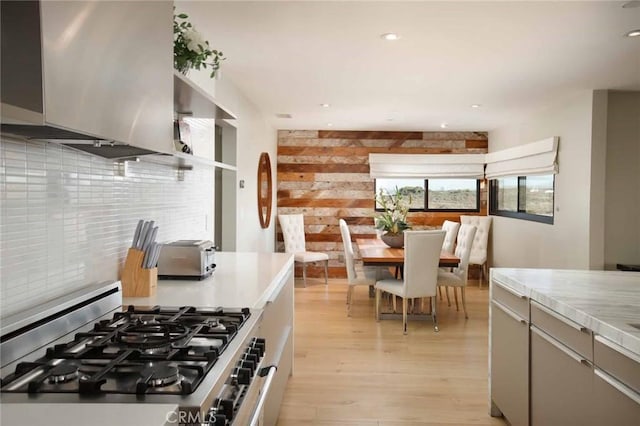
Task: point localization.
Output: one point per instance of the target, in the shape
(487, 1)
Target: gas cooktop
(138, 351)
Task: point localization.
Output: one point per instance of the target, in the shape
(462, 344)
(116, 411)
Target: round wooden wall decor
(265, 188)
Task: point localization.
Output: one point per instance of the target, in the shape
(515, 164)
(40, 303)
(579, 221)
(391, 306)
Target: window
(445, 195)
(523, 197)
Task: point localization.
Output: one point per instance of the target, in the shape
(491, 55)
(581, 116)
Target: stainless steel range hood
(94, 76)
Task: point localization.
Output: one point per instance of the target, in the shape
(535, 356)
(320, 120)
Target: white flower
(195, 40)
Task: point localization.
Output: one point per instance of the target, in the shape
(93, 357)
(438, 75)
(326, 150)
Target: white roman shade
(537, 158)
(427, 166)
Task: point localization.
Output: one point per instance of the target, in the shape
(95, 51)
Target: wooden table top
(375, 252)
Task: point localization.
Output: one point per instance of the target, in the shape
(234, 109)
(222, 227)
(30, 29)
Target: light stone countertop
(606, 302)
(240, 280)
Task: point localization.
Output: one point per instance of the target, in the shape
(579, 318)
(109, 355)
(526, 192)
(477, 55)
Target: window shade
(427, 166)
(537, 158)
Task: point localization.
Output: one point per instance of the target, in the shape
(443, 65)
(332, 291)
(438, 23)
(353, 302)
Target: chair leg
(464, 303)
(481, 275)
(455, 296)
(349, 296)
(378, 291)
(446, 290)
(393, 298)
(433, 313)
(404, 315)
(304, 274)
(326, 272)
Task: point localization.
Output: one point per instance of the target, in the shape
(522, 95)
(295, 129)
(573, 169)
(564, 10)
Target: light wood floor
(356, 371)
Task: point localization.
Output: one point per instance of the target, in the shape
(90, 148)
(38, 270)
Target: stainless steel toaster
(186, 260)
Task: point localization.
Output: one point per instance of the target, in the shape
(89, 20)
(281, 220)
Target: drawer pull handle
(509, 312)
(512, 291)
(568, 352)
(560, 318)
(623, 389)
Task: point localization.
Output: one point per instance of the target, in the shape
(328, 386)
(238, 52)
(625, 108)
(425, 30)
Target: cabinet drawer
(518, 303)
(617, 361)
(570, 333)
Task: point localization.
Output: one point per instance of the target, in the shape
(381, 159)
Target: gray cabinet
(509, 367)
(561, 383)
(616, 384)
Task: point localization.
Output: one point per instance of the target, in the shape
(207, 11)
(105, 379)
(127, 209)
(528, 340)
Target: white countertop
(240, 280)
(606, 302)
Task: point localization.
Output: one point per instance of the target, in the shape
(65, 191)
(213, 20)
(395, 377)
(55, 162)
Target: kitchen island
(262, 282)
(565, 346)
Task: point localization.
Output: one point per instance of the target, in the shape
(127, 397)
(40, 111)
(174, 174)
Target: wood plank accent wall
(325, 176)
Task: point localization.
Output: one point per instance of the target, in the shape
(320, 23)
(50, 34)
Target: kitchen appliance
(47, 84)
(186, 259)
(208, 361)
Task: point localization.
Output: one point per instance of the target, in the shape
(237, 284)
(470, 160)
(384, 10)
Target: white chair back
(293, 232)
(348, 250)
(466, 235)
(451, 229)
(421, 257)
(481, 240)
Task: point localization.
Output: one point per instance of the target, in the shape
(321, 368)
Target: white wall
(567, 243)
(622, 236)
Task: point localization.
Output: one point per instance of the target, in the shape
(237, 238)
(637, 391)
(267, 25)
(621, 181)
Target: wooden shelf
(189, 99)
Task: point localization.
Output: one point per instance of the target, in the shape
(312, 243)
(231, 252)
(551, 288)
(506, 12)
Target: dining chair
(449, 245)
(294, 242)
(421, 257)
(480, 243)
(451, 229)
(357, 274)
(458, 276)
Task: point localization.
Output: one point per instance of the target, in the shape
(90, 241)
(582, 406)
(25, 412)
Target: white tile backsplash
(67, 218)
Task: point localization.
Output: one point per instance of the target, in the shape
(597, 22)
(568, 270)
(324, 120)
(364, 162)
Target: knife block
(136, 281)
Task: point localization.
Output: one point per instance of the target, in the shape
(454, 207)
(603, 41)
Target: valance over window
(537, 158)
(427, 166)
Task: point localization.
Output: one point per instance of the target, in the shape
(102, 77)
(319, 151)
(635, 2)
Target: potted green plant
(190, 50)
(393, 220)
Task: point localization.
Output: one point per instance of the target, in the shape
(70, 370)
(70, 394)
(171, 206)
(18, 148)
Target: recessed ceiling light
(325, 105)
(283, 115)
(390, 36)
(444, 125)
(475, 106)
(633, 33)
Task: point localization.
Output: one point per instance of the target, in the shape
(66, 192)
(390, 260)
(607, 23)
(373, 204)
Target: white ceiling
(510, 57)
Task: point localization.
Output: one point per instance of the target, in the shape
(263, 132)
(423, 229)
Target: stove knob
(224, 408)
(256, 352)
(248, 364)
(251, 357)
(214, 419)
(243, 375)
(260, 344)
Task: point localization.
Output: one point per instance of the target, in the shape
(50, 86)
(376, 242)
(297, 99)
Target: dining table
(374, 252)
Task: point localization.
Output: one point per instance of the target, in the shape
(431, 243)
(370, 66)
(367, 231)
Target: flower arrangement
(396, 206)
(190, 50)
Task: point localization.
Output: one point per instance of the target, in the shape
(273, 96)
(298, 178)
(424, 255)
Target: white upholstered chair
(480, 243)
(421, 257)
(458, 276)
(357, 274)
(451, 229)
(294, 242)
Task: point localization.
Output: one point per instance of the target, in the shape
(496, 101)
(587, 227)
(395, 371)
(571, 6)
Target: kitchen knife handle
(143, 235)
(151, 237)
(136, 234)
